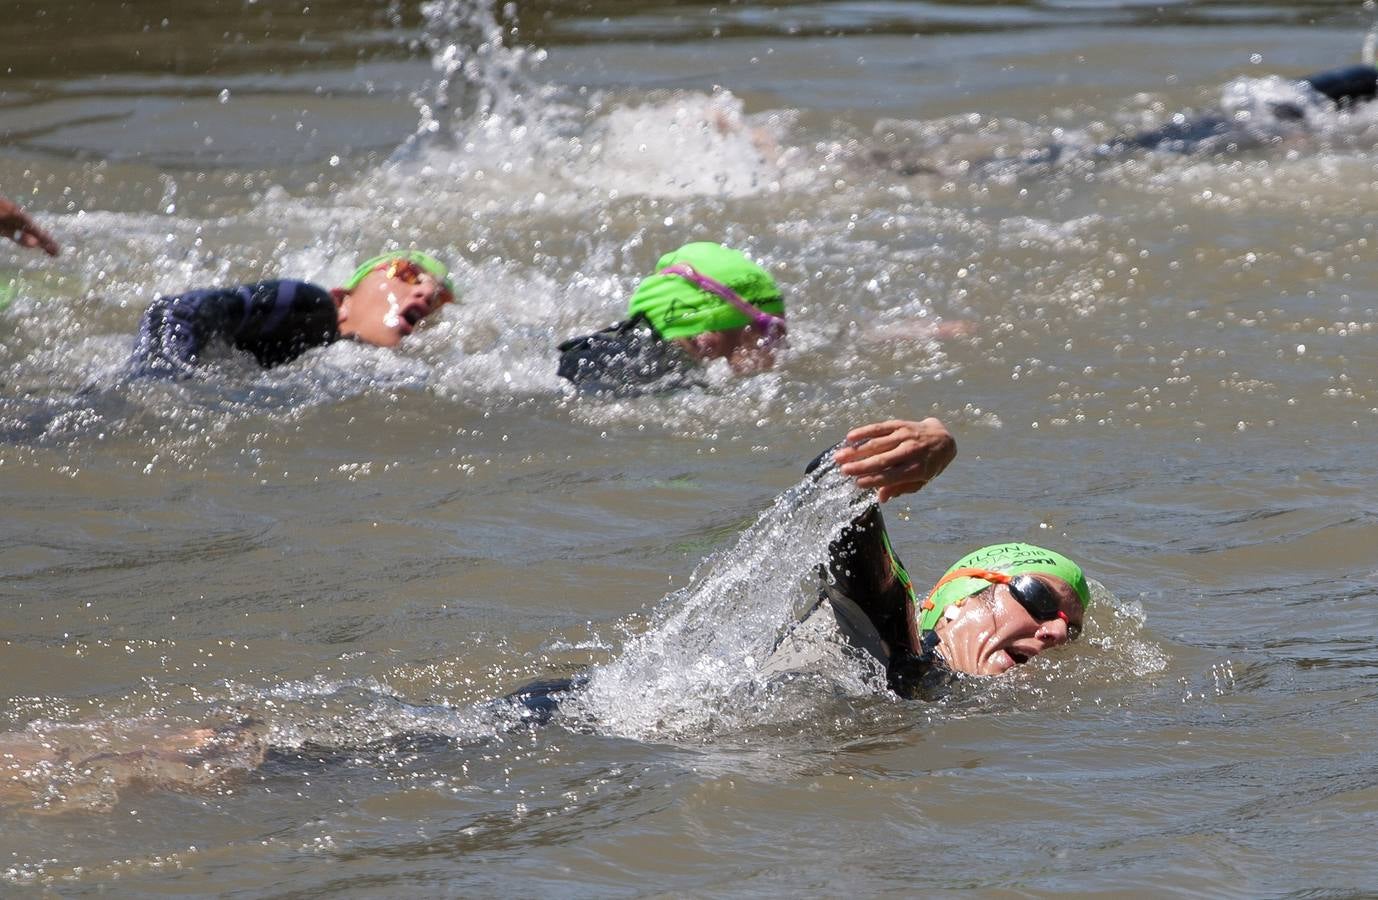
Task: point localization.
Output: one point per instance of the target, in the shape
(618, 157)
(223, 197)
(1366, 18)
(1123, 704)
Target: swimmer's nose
(1053, 633)
(426, 292)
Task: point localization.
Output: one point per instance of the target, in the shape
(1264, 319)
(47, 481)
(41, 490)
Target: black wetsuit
(276, 321)
(627, 359)
(1346, 87)
(863, 570)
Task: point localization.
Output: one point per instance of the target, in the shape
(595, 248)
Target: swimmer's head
(389, 294)
(1002, 605)
(716, 303)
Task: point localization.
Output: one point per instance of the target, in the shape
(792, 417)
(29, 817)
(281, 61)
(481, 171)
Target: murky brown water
(1169, 376)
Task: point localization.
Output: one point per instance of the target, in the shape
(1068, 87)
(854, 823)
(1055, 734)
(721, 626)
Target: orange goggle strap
(930, 610)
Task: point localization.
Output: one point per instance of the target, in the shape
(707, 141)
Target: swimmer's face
(389, 304)
(992, 632)
(745, 349)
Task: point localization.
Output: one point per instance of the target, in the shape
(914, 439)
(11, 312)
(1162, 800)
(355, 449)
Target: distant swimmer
(1342, 88)
(703, 302)
(1288, 111)
(994, 609)
(17, 225)
(277, 321)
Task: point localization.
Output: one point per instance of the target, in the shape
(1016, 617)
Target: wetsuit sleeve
(1346, 86)
(862, 566)
(274, 320)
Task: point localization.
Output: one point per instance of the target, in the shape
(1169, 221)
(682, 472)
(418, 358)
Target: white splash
(707, 642)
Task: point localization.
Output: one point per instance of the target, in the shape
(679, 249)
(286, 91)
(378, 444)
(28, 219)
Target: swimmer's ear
(340, 294)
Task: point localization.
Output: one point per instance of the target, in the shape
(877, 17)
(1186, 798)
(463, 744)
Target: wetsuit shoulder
(284, 319)
(540, 700)
(274, 320)
(920, 675)
(626, 359)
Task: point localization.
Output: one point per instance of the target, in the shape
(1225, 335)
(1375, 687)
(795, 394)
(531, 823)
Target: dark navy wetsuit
(276, 321)
(627, 359)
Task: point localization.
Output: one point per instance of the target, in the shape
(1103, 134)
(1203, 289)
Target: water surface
(1165, 374)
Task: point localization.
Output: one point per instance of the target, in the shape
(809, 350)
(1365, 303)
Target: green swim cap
(678, 308)
(1010, 559)
(427, 263)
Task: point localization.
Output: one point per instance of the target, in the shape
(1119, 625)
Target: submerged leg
(89, 767)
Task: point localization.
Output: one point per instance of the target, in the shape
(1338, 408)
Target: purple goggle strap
(773, 327)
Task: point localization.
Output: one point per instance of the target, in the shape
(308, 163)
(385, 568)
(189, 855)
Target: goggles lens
(1039, 601)
(408, 272)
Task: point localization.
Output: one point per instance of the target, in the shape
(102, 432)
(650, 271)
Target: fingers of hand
(908, 456)
(874, 430)
(873, 446)
(897, 480)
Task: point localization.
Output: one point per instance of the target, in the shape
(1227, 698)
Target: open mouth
(413, 314)
(1019, 658)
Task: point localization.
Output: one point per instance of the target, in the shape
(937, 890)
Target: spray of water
(482, 70)
(707, 642)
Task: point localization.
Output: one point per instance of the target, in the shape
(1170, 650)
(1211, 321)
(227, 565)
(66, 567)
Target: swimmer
(16, 225)
(276, 321)
(1342, 88)
(1221, 131)
(703, 302)
(993, 610)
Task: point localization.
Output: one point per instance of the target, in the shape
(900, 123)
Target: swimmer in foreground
(16, 225)
(703, 302)
(994, 609)
(277, 321)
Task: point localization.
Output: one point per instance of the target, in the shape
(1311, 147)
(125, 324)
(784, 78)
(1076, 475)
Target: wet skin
(991, 633)
(383, 310)
(745, 349)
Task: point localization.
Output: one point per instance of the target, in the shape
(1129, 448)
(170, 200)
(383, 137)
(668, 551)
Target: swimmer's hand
(896, 457)
(16, 225)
